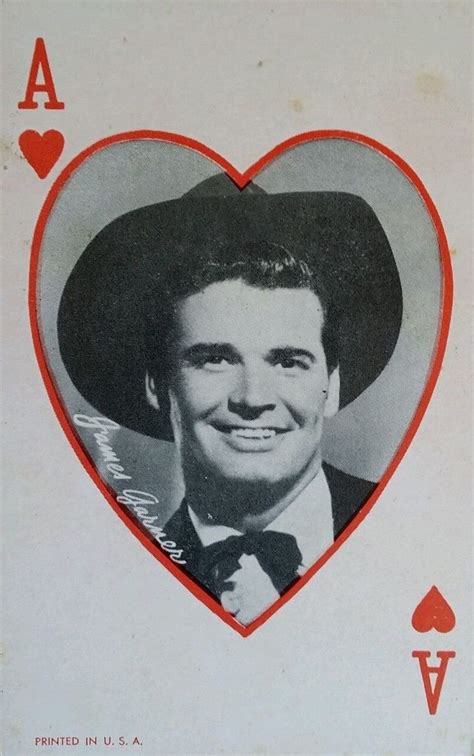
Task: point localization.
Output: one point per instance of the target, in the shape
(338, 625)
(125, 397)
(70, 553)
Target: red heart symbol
(41, 150)
(433, 613)
(65, 412)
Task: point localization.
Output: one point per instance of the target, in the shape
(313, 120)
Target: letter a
(433, 693)
(40, 60)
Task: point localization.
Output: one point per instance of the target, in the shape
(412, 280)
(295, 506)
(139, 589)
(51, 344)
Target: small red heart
(433, 613)
(41, 150)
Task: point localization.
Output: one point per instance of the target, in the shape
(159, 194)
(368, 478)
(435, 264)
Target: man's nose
(252, 394)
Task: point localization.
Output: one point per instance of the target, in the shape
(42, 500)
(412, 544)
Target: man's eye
(213, 362)
(293, 363)
(216, 359)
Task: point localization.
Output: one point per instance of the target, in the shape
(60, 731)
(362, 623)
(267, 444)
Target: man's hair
(261, 264)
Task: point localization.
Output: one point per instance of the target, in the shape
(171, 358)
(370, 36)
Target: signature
(137, 501)
(103, 426)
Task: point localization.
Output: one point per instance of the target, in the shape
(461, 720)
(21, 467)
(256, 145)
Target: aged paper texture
(105, 651)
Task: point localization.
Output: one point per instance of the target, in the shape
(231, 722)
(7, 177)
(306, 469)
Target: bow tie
(277, 554)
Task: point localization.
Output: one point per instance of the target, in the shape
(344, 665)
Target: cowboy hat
(103, 309)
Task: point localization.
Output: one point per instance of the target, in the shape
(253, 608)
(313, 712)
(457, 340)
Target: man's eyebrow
(208, 348)
(291, 351)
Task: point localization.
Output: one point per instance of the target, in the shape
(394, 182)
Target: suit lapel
(348, 493)
(180, 529)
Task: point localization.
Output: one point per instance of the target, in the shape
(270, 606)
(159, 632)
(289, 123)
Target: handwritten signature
(138, 501)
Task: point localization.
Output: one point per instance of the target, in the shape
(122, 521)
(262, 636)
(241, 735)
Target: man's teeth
(253, 432)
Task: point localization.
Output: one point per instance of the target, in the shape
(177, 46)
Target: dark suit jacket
(347, 495)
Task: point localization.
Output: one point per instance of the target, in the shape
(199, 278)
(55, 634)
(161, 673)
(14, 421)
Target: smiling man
(251, 381)
(251, 319)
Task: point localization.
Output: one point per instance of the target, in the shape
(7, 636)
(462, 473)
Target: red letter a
(40, 59)
(433, 693)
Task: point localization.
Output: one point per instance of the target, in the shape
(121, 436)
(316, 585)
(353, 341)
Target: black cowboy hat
(103, 310)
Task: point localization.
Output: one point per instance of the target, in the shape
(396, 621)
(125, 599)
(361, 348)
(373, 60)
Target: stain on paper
(296, 105)
(430, 84)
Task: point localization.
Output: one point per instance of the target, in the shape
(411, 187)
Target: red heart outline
(241, 179)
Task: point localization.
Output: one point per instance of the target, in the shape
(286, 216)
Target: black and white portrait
(241, 365)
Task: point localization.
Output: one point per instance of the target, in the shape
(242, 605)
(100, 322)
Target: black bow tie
(277, 553)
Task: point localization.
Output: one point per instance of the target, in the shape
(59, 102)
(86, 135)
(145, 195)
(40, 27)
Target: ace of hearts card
(236, 440)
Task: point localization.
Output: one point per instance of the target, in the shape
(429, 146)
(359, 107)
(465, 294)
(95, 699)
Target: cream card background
(99, 638)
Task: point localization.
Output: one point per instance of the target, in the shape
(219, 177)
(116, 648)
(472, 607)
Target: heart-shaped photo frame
(240, 360)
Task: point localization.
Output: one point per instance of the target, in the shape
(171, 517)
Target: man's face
(251, 386)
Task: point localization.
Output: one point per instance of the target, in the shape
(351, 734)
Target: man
(244, 321)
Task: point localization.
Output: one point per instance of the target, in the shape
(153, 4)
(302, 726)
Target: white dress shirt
(308, 518)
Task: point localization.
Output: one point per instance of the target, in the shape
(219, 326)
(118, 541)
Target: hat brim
(103, 307)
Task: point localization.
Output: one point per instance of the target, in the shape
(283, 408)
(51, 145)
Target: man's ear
(150, 391)
(175, 419)
(332, 400)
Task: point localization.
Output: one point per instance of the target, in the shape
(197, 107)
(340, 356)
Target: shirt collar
(308, 518)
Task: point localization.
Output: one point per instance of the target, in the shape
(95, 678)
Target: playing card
(236, 288)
